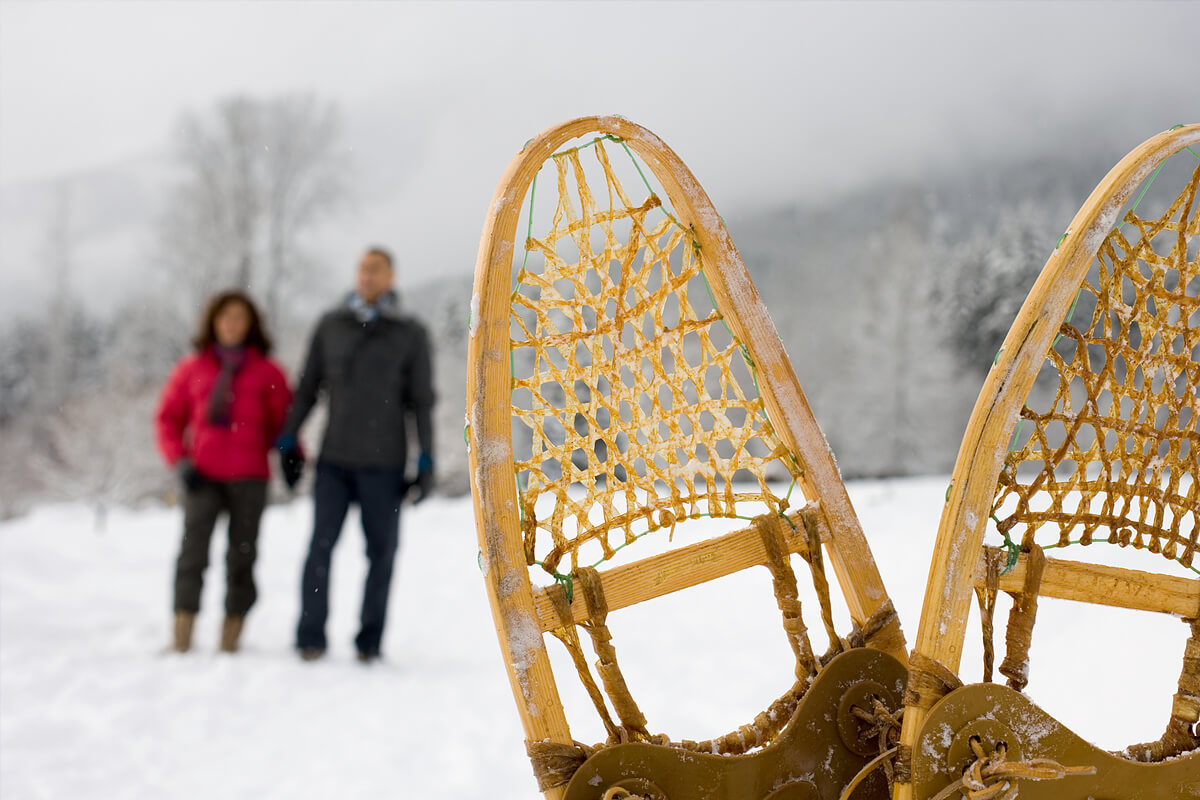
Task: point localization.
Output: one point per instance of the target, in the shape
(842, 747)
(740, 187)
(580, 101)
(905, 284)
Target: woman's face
(231, 324)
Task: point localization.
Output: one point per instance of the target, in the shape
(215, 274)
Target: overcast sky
(761, 99)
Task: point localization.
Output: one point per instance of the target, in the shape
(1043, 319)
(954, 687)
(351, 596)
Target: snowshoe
(1084, 434)
(628, 393)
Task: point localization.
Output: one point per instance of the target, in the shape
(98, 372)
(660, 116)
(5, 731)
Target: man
(373, 366)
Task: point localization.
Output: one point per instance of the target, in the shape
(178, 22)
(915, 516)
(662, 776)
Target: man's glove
(189, 475)
(291, 460)
(421, 488)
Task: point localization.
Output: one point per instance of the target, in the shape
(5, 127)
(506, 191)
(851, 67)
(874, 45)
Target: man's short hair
(382, 251)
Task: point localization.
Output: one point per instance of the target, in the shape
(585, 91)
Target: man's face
(374, 276)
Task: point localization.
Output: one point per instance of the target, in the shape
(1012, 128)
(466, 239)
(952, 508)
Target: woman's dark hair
(256, 336)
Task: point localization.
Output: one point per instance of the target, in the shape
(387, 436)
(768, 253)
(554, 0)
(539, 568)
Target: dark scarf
(220, 402)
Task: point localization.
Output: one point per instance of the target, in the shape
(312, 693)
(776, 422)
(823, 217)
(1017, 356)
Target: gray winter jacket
(375, 375)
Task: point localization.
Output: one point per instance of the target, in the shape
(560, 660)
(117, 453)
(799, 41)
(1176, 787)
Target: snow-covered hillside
(91, 707)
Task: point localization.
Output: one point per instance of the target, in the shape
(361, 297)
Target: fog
(765, 101)
(889, 171)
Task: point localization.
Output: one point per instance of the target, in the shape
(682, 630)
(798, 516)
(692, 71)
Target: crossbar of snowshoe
(814, 758)
(1105, 585)
(684, 567)
(994, 713)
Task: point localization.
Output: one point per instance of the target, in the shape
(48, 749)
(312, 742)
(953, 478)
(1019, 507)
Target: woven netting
(639, 405)
(1115, 455)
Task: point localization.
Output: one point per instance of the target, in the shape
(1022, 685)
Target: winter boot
(184, 621)
(231, 631)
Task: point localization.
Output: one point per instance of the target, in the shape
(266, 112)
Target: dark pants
(377, 492)
(243, 501)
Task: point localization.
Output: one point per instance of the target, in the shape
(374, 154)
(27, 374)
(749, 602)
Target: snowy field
(91, 707)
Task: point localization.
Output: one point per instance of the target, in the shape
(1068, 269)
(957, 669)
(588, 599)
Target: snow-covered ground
(91, 707)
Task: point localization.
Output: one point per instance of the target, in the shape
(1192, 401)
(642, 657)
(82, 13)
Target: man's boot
(184, 622)
(231, 631)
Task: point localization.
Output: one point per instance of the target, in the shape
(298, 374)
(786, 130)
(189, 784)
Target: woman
(219, 414)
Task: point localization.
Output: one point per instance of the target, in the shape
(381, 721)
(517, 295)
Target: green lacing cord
(1014, 549)
(623, 545)
(565, 580)
(1188, 148)
(593, 142)
(528, 236)
(796, 469)
(1142, 194)
(638, 167)
(1070, 314)
(567, 583)
(1012, 444)
(749, 361)
(1154, 175)
(1131, 210)
(1192, 567)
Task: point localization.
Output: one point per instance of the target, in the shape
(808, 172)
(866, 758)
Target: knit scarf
(220, 402)
(367, 313)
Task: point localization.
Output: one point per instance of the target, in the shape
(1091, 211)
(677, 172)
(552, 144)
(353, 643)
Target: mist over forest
(891, 301)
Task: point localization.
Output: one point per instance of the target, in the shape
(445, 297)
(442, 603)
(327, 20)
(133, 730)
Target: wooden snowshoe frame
(1113, 460)
(589, 356)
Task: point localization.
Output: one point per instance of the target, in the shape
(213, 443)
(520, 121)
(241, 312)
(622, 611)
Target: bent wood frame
(956, 562)
(1106, 586)
(683, 567)
(518, 623)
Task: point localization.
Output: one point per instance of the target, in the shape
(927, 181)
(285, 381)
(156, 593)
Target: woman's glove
(189, 476)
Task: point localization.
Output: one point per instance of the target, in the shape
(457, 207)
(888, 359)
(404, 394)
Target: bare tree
(257, 175)
(52, 374)
(306, 179)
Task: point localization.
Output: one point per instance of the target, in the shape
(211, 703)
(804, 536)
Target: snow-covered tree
(989, 277)
(256, 177)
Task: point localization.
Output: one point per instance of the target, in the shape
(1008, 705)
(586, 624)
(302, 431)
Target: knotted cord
(992, 776)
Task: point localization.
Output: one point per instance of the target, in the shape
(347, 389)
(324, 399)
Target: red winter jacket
(238, 452)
